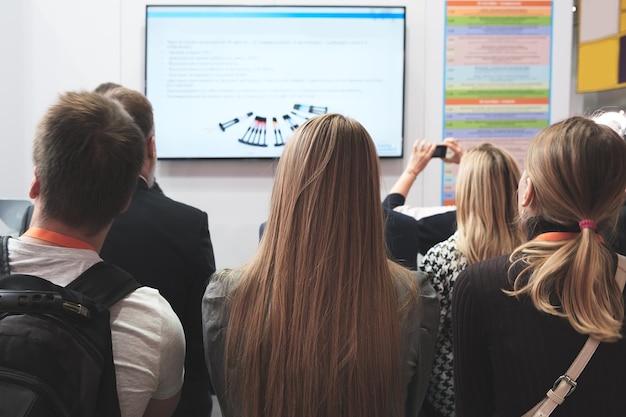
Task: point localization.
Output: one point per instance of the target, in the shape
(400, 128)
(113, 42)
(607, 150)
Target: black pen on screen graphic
(248, 132)
(234, 121)
(262, 129)
(300, 115)
(311, 109)
(278, 135)
(289, 120)
(256, 134)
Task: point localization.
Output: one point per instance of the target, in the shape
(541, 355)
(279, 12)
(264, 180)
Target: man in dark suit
(406, 237)
(166, 245)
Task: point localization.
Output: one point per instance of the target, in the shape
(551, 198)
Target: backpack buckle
(76, 308)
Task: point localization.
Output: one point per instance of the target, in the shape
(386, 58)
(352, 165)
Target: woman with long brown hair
(320, 322)
(520, 320)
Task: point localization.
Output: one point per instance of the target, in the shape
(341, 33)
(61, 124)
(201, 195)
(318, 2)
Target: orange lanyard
(57, 238)
(554, 236)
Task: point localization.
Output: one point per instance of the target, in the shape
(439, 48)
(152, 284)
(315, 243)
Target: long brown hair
(576, 168)
(314, 327)
(486, 199)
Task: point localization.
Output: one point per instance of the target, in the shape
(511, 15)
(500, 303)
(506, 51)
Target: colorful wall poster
(497, 76)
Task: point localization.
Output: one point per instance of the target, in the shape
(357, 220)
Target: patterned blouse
(443, 263)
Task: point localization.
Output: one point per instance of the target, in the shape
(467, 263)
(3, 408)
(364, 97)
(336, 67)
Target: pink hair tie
(587, 224)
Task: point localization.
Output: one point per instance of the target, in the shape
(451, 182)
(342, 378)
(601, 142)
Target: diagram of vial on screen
(292, 124)
(278, 135)
(234, 121)
(302, 112)
(256, 133)
(310, 109)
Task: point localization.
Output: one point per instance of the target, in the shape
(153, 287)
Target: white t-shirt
(420, 212)
(147, 337)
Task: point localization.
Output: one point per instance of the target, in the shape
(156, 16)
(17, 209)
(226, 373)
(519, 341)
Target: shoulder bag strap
(566, 383)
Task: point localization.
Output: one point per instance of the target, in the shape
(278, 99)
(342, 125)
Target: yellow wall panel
(597, 65)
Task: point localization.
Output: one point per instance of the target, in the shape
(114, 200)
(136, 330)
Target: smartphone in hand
(440, 151)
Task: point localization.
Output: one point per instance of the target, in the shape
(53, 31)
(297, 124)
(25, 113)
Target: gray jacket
(419, 336)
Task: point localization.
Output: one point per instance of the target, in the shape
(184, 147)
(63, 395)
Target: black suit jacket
(166, 245)
(406, 236)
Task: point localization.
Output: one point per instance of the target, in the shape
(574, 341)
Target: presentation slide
(236, 81)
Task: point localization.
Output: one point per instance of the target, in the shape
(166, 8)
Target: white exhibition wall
(51, 47)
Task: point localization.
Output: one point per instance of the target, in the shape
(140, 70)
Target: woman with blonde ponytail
(520, 320)
(320, 323)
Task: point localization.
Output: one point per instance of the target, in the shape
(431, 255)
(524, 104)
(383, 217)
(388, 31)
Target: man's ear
(34, 190)
(151, 150)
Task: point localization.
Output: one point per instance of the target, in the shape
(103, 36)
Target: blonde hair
(315, 324)
(577, 172)
(486, 199)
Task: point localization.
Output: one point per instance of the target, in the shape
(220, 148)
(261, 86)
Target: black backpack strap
(4, 255)
(105, 283)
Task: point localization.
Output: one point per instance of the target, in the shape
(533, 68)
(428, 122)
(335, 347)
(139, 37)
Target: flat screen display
(236, 81)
